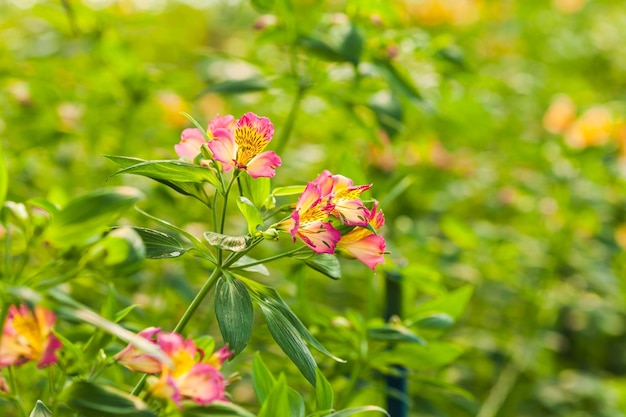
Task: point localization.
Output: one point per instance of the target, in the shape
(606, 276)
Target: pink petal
(325, 182)
(203, 384)
(224, 150)
(352, 212)
(320, 236)
(262, 125)
(221, 122)
(369, 250)
(191, 140)
(264, 165)
(310, 197)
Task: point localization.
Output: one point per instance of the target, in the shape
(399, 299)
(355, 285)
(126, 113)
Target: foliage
(493, 133)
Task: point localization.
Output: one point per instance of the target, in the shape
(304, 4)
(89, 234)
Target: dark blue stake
(397, 388)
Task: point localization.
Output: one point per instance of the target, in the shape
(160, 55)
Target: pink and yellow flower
(344, 196)
(191, 140)
(364, 244)
(190, 376)
(310, 222)
(27, 336)
(243, 149)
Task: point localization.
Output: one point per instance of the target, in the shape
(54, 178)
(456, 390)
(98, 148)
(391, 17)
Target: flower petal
(264, 165)
(320, 236)
(369, 250)
(203, 384)
(224, 149)
(351, 212)
(221, 122)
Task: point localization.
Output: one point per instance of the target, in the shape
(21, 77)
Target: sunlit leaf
(358, 410)
(251, 214)
(262, 379)
(394, 333)
(277, 401)
(288, 190)
(234, 313)
(172, 171)
(323, 392)
(85, 218)
(453, 304)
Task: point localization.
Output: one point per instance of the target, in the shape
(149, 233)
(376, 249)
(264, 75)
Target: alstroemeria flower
(309, 221)
(190, 376)
(363, 244)
(137, 360)
(341, 192)
(192, 139)
(27, 336)
(243, 150)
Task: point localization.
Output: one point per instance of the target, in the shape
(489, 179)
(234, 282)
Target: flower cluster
(237, 144)
(27, 336)
(191, 375)
(334, 198)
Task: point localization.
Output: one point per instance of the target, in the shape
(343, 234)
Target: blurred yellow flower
(172, 105)
(592, 128)
(568, 6)
(560, 115)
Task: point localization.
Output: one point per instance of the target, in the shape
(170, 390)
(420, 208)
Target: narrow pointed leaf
(173, 171)
(323, 392)
(277, 402)
(160, 245)
(251, 214)
(262, 379)
(290, 341)
(296, 403)
(40, 410)
(393, 333)
(247, 85)
(288, 190)
(233, 309)
(258, 189)
(353, 411)
(216, 409)
(324, 263)
(352, 45)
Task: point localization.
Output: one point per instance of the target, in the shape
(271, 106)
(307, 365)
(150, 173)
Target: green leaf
(251, 214)
(197, 125)
(258, 268)
(324, 263)
(277, 402)
(352, 45)
(159, 244)
(197, 243)
(290, 341)
(459, 233)
(352, 411)
(417, 357)
(258, 189)
(288, 190)
(173, 172)
(296, 403)
(321, 49)
(434, 321)
(40, 410)
(234, 313)
(394, 333)
(230, 243)
(398, 80)
(99, 401)
(185, 188)
(216, 409)
(121, 247)
(247, 85)
(262, 379)
(83, 219)
(453, 304)
(323, 392)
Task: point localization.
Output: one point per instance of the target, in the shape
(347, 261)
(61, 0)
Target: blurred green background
(493, 132)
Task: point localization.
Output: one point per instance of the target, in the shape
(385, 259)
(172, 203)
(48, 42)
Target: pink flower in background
(310, 223)
(190, 376)
(27, 336)
(137, 360)
(341, 192)
(191, 140)
(243, 150)
(362, 243)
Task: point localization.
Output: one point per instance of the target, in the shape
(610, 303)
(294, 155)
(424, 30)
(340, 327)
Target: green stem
(191, 309)
(71, 17)
(16, 392)
(271, 258)
(224, 207)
